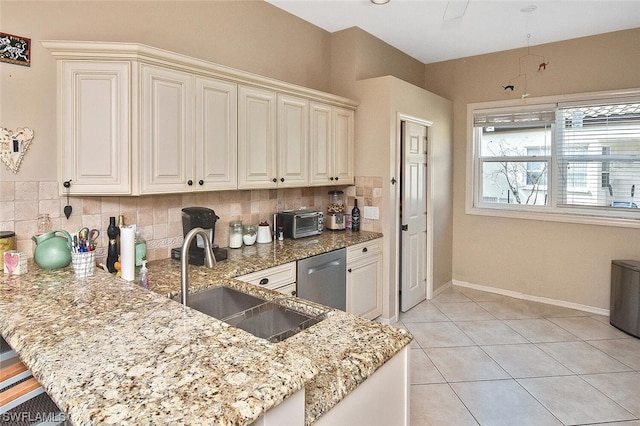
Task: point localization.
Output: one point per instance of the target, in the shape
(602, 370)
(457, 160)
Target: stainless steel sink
(273, 322)
(264, 319)
(222, 302)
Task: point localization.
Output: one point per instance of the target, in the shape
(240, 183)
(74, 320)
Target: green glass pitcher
(52, 251)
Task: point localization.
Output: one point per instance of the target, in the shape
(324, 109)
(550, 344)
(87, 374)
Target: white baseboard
(439, 290)
(523, 296)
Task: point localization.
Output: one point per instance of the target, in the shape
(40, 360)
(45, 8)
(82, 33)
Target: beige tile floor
(482, 358)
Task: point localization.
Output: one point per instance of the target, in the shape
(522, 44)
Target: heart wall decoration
(13, 146)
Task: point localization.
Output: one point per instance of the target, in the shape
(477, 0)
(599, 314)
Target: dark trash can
(625, 296)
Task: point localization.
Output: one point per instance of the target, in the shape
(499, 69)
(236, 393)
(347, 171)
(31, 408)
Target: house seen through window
(578, 158)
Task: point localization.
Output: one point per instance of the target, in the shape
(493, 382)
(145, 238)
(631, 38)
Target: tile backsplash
(159, 217)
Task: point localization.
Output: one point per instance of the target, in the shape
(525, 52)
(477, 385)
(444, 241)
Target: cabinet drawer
(288, 289)
(272, 278)
(361, 250)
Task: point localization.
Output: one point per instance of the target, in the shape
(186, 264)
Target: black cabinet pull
(189, 182)
(281, 179)
(331, 178)
(337, 178)
(274, 180)
(364, 250)
(349, 270)
(294, 293)
(200, 182)
(264, 281)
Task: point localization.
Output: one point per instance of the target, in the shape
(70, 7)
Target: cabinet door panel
(216, 135)
(321, 143)
(256, 138)
(343, 122)
(167, 142)
(364, 290)
(293, 138)
(95, 142)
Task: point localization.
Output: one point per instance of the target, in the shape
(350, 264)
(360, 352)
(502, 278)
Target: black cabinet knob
(293, 293)
(264, 281)
(337, 177)
(189, 182)
(331, 178)
(364, 250)
(274, 180)
(281, 179)
(200, 182)
(349, 270)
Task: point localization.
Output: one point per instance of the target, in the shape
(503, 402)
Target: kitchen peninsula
(110, 352)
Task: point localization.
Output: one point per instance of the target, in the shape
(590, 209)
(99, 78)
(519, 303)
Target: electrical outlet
(371, 212)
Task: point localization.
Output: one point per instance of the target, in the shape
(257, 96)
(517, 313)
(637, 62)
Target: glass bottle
(44, 223)
(112, 252)
(355, 216)
(235, 234)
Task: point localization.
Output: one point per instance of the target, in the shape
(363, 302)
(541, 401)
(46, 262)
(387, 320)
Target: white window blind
(514, 160)
(598, 155)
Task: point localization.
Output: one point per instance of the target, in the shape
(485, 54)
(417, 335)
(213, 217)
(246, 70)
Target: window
(570, 158)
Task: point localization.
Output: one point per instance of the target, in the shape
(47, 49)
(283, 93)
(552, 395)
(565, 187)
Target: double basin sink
(265, 319)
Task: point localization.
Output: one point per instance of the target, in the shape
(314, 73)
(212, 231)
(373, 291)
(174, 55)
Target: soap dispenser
(143, 279)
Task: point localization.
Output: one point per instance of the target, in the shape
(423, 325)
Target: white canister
(235, 234)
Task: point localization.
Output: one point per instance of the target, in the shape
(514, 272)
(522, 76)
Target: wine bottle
(112, 251)
(355, 216)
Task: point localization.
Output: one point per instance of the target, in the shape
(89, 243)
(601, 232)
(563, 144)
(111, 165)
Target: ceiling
(433, 30)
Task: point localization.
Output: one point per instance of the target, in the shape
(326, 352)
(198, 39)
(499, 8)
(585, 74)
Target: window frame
(553, 211)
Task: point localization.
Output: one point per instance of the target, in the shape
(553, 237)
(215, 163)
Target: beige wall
(568, 262)
(249, 35)
(383, 99)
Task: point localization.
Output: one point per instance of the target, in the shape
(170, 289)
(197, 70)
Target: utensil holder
(83, 263)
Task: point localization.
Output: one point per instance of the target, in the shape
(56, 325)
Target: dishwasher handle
(324, 266)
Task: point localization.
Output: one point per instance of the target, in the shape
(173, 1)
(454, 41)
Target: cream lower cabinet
(94, 142)
(188, 132)
(272, 139)
(364, 279)
(331, 145)
(281, 278)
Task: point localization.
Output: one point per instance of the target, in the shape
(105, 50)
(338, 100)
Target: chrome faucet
(209, 260)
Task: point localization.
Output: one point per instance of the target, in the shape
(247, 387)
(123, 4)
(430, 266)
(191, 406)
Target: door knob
(405, 227)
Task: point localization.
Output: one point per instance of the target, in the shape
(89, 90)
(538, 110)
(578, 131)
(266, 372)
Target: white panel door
(167, 130)
(343, 139)
(320, 145)
(95, 144)
(413, 237)
(216, 135)
(293, 140)
(256, 138)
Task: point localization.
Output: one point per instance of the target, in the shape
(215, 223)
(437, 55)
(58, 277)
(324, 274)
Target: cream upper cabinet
(167, 132)
(293, 141)
(216, 135)
(94, 138)
(137, 120)
(188, 132)
(364, 279)
(331, 145)
(257, 159)
(273, 137)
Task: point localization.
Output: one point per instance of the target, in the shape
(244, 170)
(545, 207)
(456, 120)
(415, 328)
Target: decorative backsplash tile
(159, 217)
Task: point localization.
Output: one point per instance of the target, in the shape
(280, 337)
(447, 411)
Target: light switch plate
(371, 212)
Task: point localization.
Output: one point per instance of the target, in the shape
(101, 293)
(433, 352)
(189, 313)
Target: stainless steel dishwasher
(323, 279)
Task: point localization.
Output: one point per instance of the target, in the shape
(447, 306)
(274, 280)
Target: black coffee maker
(199, 217)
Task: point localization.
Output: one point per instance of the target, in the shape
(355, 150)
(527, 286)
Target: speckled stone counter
(110, 352)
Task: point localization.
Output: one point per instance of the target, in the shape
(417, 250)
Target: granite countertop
(110, 352)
